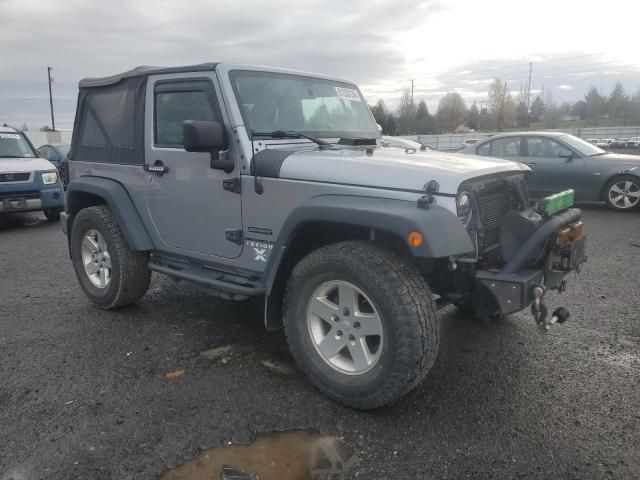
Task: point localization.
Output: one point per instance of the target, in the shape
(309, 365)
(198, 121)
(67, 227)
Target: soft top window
(109, 123)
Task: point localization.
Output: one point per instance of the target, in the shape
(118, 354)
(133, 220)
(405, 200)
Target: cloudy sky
(442, 45)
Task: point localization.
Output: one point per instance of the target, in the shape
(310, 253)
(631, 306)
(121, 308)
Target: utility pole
(529, 91)
(53, 121)
(480, 119)
(411, 93)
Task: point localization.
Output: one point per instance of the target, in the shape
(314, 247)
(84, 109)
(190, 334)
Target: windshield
(584, 148)
(63, 149)
(275, 101)
(14, 145)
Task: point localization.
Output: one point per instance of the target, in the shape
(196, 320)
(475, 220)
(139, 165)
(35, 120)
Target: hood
(17, 165)
(620, 157)
(393, 168)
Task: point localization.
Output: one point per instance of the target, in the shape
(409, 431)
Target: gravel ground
(85, 393)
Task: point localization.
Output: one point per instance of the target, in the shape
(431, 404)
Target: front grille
(14, 177)
(493, 207)
(27, 195)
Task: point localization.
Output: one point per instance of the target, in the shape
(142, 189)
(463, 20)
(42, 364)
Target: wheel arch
(333, 218)
(91, 191)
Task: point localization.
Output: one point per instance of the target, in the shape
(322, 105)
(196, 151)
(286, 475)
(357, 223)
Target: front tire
(623, 193)
(109, 272)
(52, 214)
(361, 323)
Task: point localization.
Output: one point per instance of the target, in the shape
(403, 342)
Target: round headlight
(464, 208)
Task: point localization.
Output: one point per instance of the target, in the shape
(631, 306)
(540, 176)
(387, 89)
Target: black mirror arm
(225, 164)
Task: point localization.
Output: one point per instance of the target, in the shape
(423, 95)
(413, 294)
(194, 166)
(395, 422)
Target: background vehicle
(633, 143)
(604, 142)
(56, 153)
(255, 181)
(399, 142)
(593, 141)
(619, 143)
(560, 161)
(27, 182)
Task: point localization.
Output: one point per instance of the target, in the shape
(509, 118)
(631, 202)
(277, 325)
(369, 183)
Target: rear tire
(52, 214)
(622, 193)
(399, 330)
(109, 272)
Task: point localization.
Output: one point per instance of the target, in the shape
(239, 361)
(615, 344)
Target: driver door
(555, 167)
(190, 209)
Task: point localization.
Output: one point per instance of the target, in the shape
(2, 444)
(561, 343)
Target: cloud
(564, 87)
(82, 38)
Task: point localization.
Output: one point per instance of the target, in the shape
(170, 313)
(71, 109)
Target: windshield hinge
(234, 235)
(431, 187)
(232, 185)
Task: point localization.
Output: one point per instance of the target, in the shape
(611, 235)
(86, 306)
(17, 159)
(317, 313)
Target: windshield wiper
(598, 154)
(12, 156)
(291, 134)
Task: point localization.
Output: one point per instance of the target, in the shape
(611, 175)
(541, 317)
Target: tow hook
(540, 312)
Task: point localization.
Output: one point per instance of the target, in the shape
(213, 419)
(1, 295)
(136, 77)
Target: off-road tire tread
(412, 306)
(134, 275)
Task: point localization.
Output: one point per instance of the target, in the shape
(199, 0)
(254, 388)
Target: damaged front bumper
(515, 286)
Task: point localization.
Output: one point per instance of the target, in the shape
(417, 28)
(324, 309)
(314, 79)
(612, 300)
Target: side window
(484, 149)
(505, 147)
(172, 108)
(539, 147)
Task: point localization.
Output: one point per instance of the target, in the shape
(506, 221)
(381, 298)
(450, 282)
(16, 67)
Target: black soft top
(144, 70)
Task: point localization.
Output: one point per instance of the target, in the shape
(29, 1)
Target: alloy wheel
(96, 258)
(624, 194)
(345, 327)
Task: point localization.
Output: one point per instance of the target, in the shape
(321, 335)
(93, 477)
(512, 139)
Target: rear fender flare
(117, 198)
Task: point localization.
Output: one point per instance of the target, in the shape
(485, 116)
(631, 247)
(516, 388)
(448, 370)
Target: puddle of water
(221, 352)
(278, 367)
(295, 455)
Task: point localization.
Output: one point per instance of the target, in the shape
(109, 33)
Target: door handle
(158, 168)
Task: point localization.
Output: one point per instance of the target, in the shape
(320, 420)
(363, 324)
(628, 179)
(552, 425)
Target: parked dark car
(633, 143)
(560, 161)
(56, 154)
(619, 143)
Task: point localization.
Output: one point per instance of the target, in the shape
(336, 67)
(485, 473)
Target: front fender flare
(444, 234)
(117, 198)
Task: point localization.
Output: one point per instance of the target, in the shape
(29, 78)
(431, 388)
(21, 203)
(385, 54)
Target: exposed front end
(520, 250)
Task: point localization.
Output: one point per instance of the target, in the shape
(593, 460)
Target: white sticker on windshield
(9, 135)
(348, 93)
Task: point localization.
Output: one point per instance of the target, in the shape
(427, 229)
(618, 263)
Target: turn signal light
(415, 239)
(564, 237)
(577, 231)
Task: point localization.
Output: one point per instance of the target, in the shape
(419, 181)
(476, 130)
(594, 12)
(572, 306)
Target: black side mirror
(205, 136)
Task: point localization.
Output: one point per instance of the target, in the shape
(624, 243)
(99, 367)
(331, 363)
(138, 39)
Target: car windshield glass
(14, 145)
(321, 108)
(585, 149)
(63, 149)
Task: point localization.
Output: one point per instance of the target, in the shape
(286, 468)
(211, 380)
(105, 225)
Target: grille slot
(493, 207)
(14, 177)
(27, 194)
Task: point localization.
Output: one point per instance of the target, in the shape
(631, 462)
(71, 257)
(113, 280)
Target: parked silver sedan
(560, 161)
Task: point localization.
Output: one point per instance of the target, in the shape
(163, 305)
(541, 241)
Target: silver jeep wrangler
(252, 181)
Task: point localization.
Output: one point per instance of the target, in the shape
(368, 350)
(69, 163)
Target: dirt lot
(130, 394)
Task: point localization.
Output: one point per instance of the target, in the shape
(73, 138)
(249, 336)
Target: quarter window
(173, 108)
(484, 149)
(505, 147)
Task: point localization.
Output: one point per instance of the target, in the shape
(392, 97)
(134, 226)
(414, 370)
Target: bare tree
(501, 105)
(451, 112)
(406, 114)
